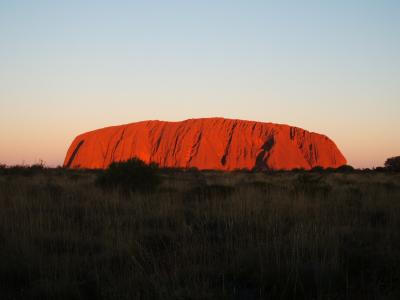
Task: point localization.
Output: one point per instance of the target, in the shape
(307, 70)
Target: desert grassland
(201, 235)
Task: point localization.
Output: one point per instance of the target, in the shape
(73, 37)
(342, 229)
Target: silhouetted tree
(393, 163)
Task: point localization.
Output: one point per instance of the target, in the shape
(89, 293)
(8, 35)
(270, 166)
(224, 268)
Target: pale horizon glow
(67, 67)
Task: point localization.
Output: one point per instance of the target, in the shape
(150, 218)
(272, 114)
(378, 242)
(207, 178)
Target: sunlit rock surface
(209, 143)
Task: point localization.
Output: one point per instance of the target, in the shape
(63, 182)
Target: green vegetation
(200, 235)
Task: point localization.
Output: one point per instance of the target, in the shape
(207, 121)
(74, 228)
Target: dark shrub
(393, 163)
(345, 169)
(317, 169)
(192, 169)
(130, 175)
(2, 169)
(37, 167)
(380, 169)
(298, 170)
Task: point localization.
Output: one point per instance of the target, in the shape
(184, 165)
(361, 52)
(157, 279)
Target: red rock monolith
(208, 143)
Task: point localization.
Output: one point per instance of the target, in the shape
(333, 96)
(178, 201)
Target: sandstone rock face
(209, 143)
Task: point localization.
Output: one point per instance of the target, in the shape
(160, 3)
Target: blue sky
(71, 66)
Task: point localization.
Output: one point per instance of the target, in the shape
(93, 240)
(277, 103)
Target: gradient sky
(67, 67)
